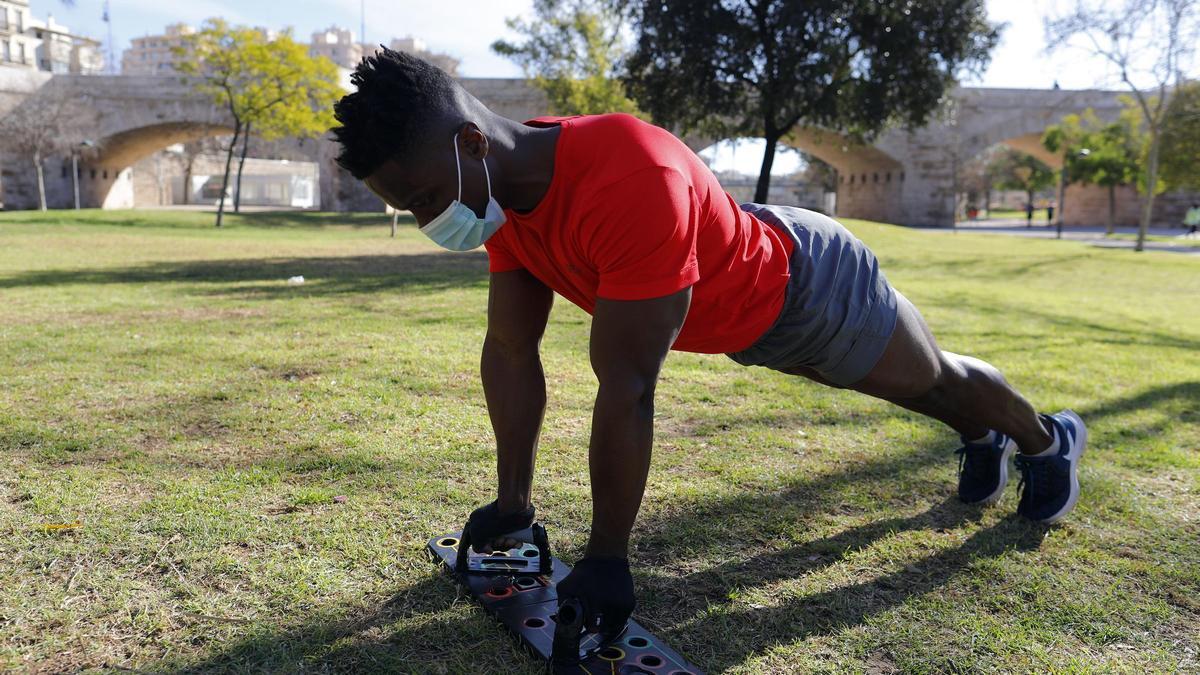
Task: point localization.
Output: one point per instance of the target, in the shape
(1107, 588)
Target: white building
(58, 51)
(154, 54)
(27, 42)
(418, 48)
(341, 46)
(337, 45)
(16, 48)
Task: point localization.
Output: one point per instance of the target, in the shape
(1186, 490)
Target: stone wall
(1089, 205)
(132, 117)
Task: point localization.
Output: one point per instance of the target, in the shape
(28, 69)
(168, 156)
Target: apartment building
(154, 54)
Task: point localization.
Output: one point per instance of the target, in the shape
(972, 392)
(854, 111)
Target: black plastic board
(526, 603)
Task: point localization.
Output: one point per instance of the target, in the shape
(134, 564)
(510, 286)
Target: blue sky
(466, 28)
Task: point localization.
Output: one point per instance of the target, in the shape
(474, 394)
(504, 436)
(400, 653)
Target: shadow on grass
(1003, 267)
(323, 275)
(721, 633)
(199, 220)
(672, 605)
(1181, 392)
(693, 612)
(1129, 332)
(317, 219)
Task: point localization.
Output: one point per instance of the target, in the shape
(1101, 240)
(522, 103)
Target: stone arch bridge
(903, 177)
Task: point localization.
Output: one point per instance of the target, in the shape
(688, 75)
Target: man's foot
(983, 469)
(1050, 483)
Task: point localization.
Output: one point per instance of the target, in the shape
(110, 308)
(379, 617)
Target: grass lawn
(165, 389)
(1010, 214)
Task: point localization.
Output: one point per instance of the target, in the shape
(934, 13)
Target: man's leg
(969, 395)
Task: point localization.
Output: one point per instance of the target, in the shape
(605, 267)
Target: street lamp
(75, 167)
(1062, 187)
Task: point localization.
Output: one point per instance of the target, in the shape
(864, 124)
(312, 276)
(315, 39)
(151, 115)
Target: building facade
(418, 48)
(16, 48)
(154, 54)
(341, 46)
(59, 51)
(337, 45)
(27, 42)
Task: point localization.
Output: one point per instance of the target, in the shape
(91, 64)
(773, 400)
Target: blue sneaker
(983, 469)
(1050, 485)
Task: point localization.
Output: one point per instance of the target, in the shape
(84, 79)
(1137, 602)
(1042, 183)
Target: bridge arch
(106, 180)
(869, 179)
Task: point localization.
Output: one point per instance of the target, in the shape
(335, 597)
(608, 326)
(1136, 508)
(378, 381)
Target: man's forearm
(619, 459)
(515, 388)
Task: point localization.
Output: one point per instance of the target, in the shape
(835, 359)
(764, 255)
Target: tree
(271, 85)
(573, 52)
(1067, 138)
(1152, 38)
(1181, 133)
(292, 100)
(1015, 170)
(978, 176)
(44, 125)
(191, 151)
(1114, 152)
(759, 67)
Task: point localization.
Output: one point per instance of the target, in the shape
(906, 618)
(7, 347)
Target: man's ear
(474, 142)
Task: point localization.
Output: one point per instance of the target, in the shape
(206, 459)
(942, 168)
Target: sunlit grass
(163, 386)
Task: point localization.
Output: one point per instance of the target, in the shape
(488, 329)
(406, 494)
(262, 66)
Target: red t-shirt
(632, 213)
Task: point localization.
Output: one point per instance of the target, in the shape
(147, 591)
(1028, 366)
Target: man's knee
(912, 365)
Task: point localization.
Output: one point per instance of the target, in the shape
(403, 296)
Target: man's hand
(604, 588)
(487, 526)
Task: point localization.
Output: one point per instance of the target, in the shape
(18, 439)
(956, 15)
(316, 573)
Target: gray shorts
(838, 311)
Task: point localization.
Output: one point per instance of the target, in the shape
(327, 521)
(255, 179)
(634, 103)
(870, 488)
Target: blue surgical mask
(458, 228)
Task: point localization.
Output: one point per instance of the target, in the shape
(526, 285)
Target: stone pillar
(872, 194)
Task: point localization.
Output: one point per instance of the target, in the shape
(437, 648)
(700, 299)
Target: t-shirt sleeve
(500, 258)
(640, 234)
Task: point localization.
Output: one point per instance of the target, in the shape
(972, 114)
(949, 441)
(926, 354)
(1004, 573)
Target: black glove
(486, 527)
(604, 588)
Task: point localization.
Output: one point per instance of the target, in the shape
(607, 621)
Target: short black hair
(399, 98)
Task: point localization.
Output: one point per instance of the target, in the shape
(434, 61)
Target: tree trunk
(187, 178)
(1151, 184)
(1028, 211)
(1062, 201)
(1112, 208)
(764, 173)
(237, 130)
(41, 181)
(237, 190)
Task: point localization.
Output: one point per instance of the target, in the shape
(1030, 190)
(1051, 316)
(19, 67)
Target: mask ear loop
(489, 179)
(458, 166)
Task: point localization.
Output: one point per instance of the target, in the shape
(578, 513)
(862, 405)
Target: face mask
(457, 228)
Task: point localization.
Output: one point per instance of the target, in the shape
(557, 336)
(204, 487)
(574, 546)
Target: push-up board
(510, 587)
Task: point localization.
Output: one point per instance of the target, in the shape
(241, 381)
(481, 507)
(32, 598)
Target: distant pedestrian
(1050, 213)
(1192, 219)
(1029, 213)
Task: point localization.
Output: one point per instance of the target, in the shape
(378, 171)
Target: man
(1029, 214)
(1192, 219)
(621, 218)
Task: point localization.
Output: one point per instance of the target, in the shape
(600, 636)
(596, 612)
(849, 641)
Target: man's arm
(629, 343)
(513, 382)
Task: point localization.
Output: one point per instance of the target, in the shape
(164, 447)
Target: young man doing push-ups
(621, 218)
